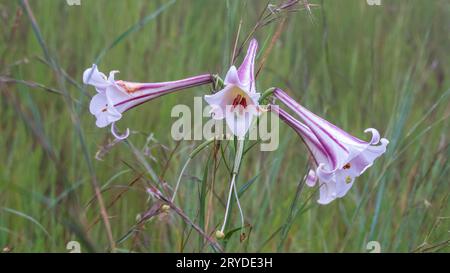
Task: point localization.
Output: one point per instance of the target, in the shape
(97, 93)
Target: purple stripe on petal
(246, 71)
(195, 79)
(191, 82)
(188, 83)
(308, 137)
(313, 124)
(297, 105)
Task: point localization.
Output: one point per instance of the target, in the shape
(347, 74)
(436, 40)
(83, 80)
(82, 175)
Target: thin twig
(275, 37)
(157, 194)
(233, 56)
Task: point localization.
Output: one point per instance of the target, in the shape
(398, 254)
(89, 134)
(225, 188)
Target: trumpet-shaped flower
(338, 156)
(114, 97)
(237, 102)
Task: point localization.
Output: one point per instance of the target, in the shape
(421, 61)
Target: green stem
(218, 82)
(237, 162)
(191, 156)
(266, 94)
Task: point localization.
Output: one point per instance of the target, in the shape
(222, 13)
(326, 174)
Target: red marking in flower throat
(239, 100)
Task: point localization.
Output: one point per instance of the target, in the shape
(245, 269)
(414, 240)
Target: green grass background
(357, 65)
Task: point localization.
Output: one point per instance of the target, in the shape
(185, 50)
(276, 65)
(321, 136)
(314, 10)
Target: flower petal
(219, 101)
(102, 120)
(311, 178)
(116, 94)
(327, 193)
(95, 78)
(217, 112)
(344, 183)
(101, 107)
(112, 76)
(232, 77)
(117, 135)
(220, 97)
(324, 174)
(98, 102)
(113, 115)
(375, 135)
(314, 146)
(365, 159)
(246, 71)
(239, 123)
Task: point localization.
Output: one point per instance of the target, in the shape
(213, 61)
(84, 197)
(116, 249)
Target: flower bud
(165, 208)
(220, 234)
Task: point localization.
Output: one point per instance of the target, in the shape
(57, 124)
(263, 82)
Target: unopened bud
(165, 208)
(220, 234)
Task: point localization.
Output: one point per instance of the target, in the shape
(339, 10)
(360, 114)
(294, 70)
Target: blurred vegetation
(357, 65)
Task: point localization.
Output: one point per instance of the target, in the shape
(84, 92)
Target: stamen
(347, 166)
(244, 103)
(239, 100)
(348, 179)
(236, 101)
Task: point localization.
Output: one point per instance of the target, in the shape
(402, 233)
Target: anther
(348, 179)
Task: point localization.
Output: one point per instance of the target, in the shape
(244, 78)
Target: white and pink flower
(114, 97)
(237, 102)
(338, 156)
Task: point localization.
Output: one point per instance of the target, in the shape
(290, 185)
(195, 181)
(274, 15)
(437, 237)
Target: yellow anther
(348, 179)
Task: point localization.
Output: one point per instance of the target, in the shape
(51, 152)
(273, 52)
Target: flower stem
(237, 162)
(191, 156)
(179, 179)
(218, 82)
(239, 205)
(228, 203)
(265, 95)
